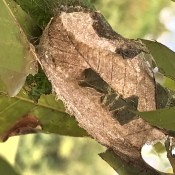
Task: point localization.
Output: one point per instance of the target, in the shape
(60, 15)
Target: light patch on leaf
(163, 80)
(155, 155)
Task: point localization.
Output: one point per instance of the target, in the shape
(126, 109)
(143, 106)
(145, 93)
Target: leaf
(164, 81)
(6, 168)
(118, 165)
(163, 56)
(50, 113)
(30, 28)
(17, 56)
(162, 118)
(42, 11)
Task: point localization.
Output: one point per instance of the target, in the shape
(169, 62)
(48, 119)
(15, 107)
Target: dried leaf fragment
(27, 124)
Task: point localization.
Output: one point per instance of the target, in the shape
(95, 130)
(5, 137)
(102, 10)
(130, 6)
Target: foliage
(160, 53)
(163, 118)
(60, 155)
(133, 19)
(6, 168)
(41, 11)
(37, 84)
(50, 113)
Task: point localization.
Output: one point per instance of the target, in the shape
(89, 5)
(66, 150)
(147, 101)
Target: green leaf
(163, 56)
(17, 56)
(164, 81)
(162, 118)
(41, 11)
(30, 28)
(6, 168)
(118, 165)
(51, 114)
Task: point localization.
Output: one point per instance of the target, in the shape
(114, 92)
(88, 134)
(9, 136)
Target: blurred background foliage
(52, 154)
(57, 155)
(133, 19)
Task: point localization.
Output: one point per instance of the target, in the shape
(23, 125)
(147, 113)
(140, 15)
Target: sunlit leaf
(164, 81)
(6, 168)
(17, 56)
(155, 155)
